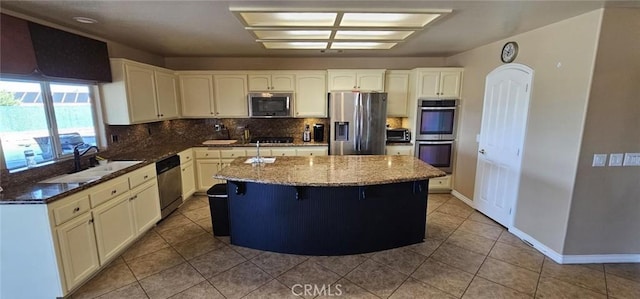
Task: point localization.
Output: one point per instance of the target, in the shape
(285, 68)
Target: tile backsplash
(180, 132)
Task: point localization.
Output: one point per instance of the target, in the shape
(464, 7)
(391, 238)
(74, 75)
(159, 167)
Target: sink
(91, 174)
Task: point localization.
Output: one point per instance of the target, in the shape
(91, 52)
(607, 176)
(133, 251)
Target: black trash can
(219, 207)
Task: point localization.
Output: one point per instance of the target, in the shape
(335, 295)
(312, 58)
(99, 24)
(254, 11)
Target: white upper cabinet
(196, 93)
(311, 94)
(438, 83)
(363, 80)
(230, 95)
(397, 89)
(167, 94)
(271, 81)
(139, 93)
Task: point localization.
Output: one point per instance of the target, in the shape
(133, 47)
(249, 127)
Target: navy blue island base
(327, 220)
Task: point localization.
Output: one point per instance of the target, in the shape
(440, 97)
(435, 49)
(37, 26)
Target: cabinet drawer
(312, 152)
(283, 152)
(206, 154)
(141, 176)
(232, 153)
(264, 152)
(186, 156)
(111, 190)
(71, 210)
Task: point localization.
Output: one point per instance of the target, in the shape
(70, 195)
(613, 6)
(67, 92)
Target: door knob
(481, 151)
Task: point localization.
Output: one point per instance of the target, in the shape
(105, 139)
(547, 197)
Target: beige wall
(310, 63)
(554, 128)
(605, 210)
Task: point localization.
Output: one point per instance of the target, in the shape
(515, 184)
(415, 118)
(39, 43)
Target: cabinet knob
(211, 112)
(162, 115)
(90, 220)
(76, 210)
(114, 192)
(146, 177)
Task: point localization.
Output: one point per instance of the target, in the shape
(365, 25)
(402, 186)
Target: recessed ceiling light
(288, 29)
(85, 20)
(293, 34)
(289, 18)
(362, 45)
(372, 34)
(295, 45)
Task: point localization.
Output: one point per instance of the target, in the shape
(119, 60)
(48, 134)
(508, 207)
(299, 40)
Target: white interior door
(504, 119)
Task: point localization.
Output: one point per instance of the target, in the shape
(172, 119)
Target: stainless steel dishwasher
(169, 184)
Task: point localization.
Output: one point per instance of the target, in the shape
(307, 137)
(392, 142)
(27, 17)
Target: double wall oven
(436, 131)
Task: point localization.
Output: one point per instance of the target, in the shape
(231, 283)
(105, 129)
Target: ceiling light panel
(293, 34)
(372, 34)
(386, 19)
(289, 18)
(295, 45)
(362, 45)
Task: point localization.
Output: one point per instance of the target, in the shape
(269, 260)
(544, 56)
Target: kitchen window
(42, 121)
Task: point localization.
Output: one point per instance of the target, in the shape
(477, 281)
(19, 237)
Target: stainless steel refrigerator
(358, 123)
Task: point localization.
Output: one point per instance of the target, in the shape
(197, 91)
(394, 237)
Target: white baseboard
(463, 198)
(575, 258)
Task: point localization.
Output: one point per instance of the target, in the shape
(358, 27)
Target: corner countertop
(331, 171)
(40, 193)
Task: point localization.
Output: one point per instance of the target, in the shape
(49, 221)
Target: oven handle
(438, 108)
(435, 142)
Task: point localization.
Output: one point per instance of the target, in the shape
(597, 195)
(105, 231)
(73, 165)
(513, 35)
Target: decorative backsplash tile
(185, 132)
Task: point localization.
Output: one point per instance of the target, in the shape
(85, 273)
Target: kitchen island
(328, 205)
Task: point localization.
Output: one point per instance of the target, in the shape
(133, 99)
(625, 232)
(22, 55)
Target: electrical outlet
(599, 160)
(114, 138)
(631, 159)
(616, 159)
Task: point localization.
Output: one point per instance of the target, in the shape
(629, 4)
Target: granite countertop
(41, 193)
(331, 171)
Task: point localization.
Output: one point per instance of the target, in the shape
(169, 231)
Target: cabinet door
(188, 180)
(342, 81)
(146, 206)
(196, 94)
(283, 152)
(428, 84)
(141, 94)
(370, 81)
(311, 96)
(78, 250)
(115, 226)
(397, 88)
(261, 82)
(312, 151)
(231, 96)
(283, 82)
(205, 170)
(167, 95)
(450, 84)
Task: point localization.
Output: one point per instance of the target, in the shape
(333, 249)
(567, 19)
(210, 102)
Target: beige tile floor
(465, 255)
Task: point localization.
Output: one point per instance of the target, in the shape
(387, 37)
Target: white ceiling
(208, 28)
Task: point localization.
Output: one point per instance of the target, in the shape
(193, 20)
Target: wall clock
(509, 52)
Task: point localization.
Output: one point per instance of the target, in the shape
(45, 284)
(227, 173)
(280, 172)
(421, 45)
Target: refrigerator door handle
(358, 128)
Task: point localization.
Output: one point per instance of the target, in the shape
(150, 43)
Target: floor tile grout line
(575, 285)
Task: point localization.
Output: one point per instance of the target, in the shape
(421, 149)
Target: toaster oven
(398, 135)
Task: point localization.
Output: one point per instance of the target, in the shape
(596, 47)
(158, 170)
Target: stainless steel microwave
(268, 104)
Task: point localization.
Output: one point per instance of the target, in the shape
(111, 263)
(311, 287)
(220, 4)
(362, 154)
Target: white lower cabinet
(283, 152)
(205, 169)
(188, 180)
(78, 251)
(312, 151)
(115, 226)
(440, 185)
(145, 202)
(63, 243)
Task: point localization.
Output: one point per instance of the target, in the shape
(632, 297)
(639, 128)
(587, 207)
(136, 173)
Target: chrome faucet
(77, 155)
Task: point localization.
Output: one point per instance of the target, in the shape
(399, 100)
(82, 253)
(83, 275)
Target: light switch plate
(616, 159)
(631, 159)
(599, 160)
